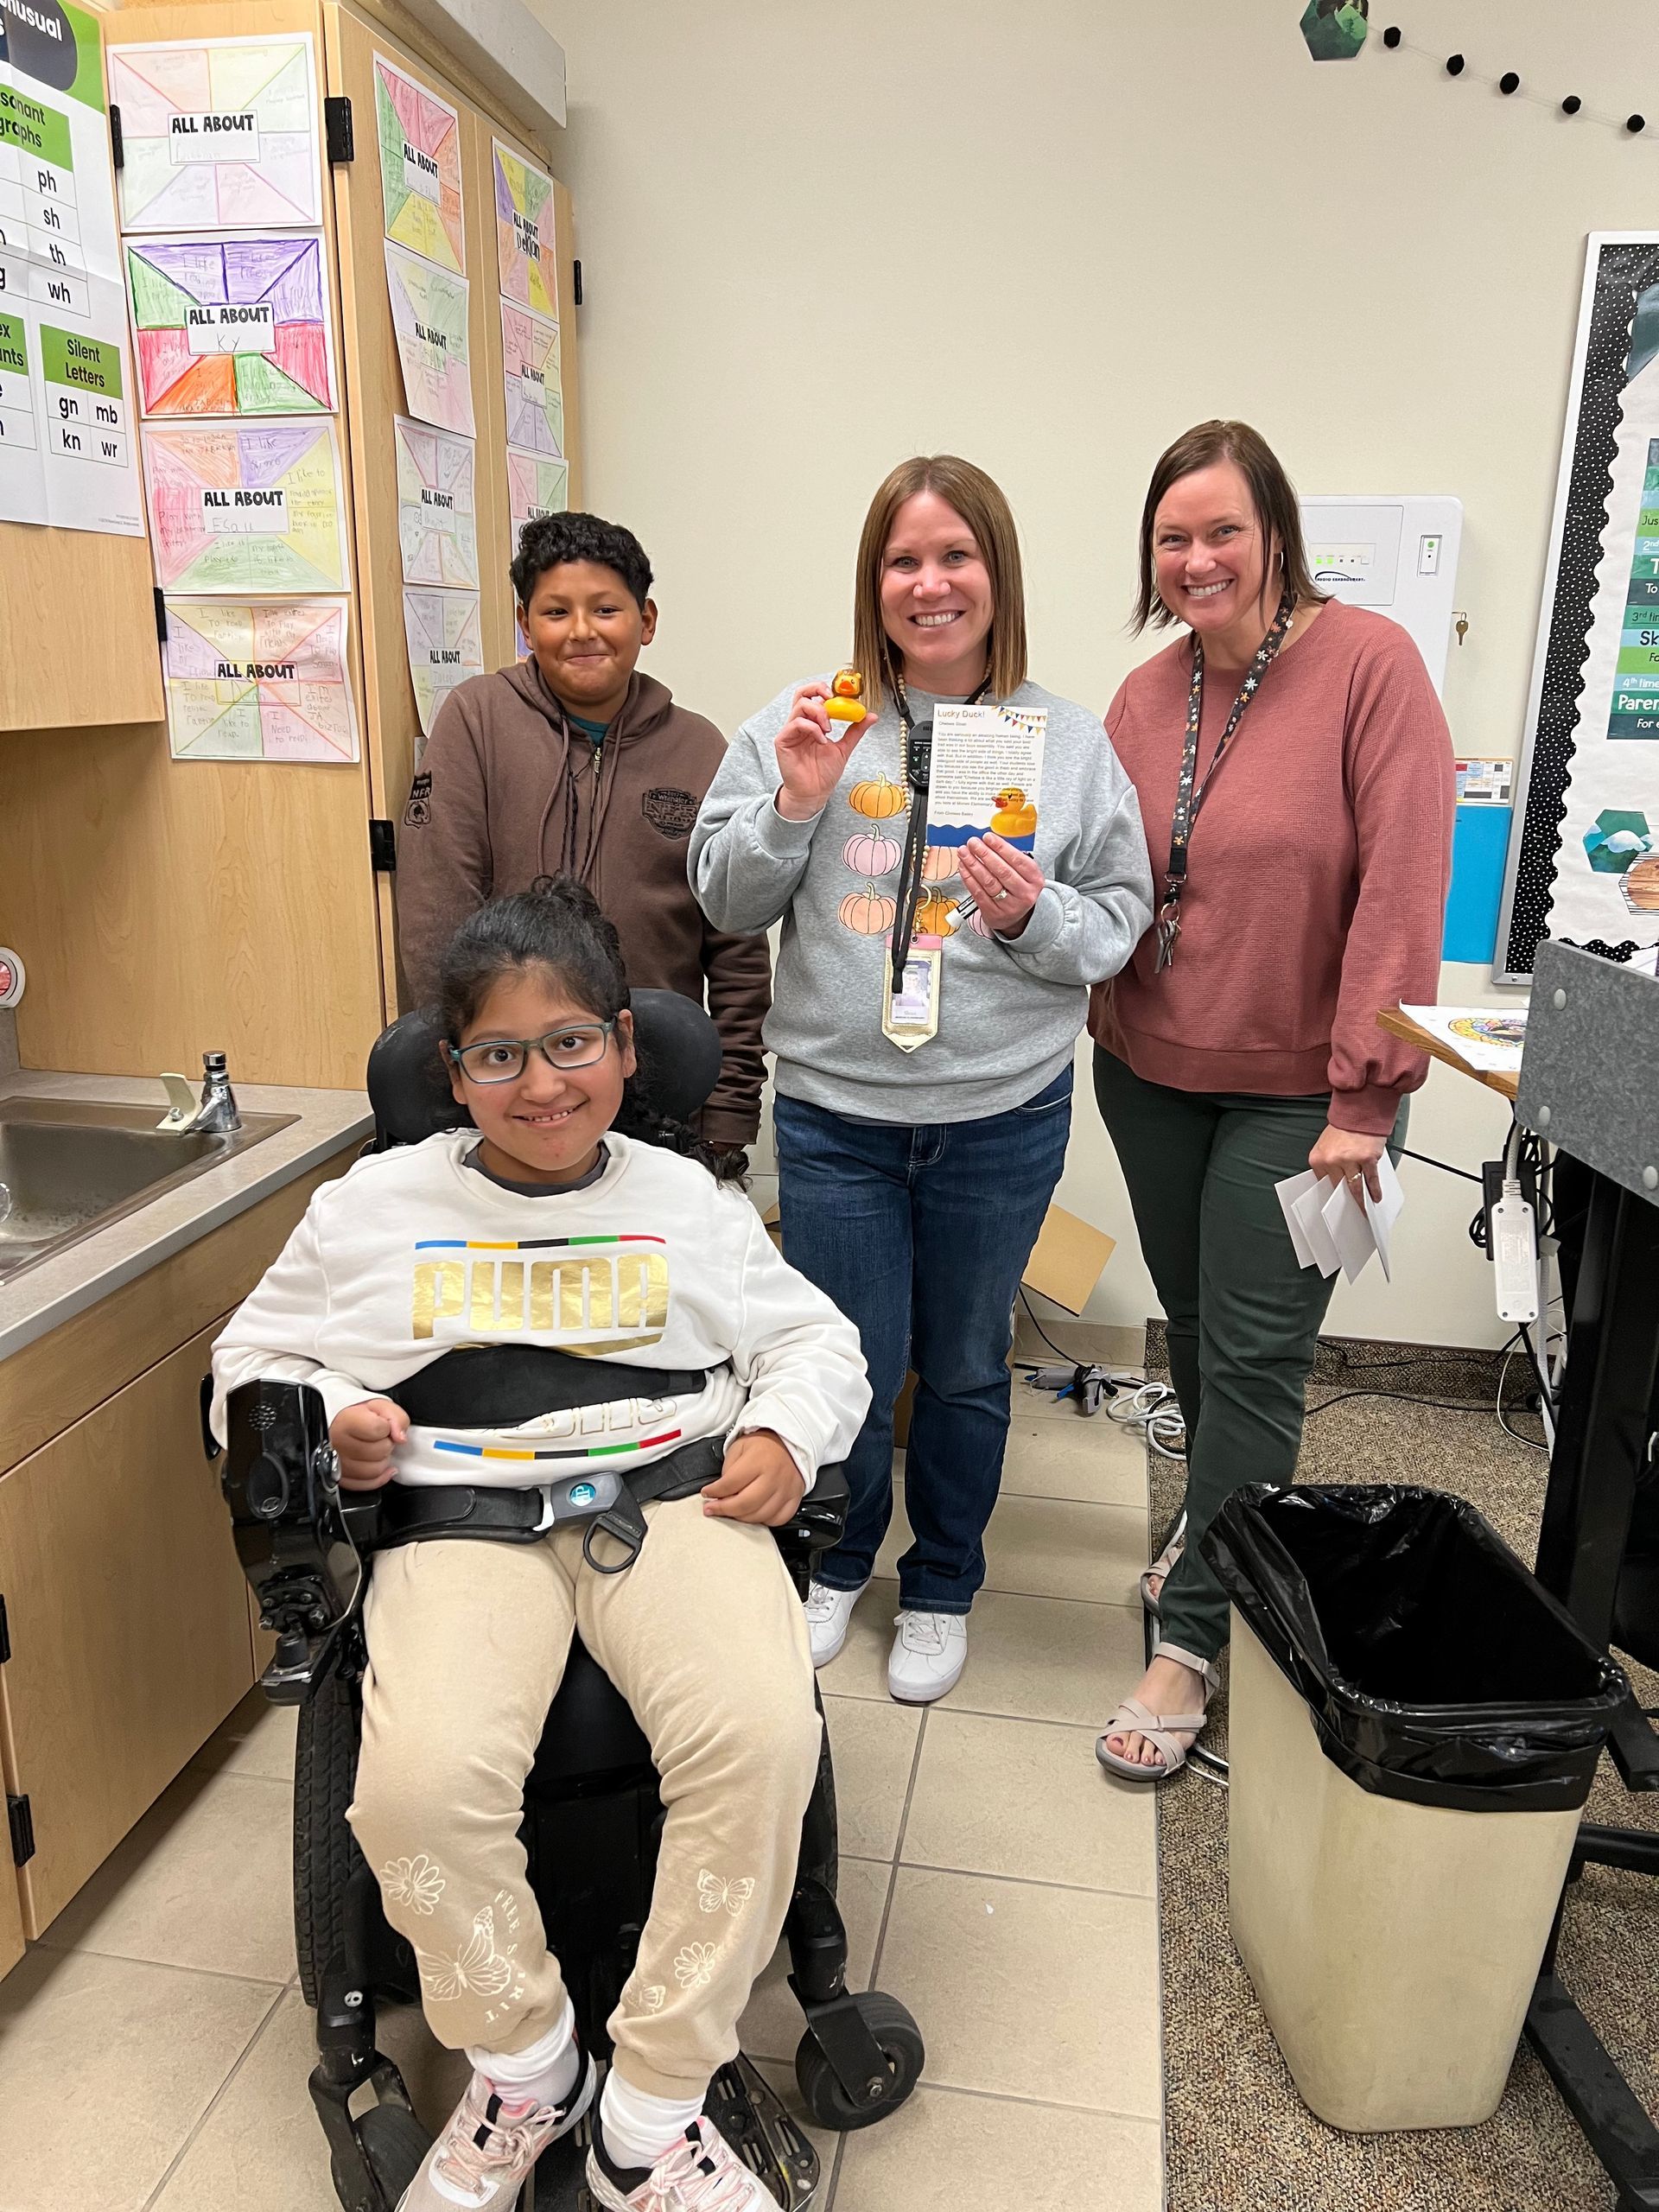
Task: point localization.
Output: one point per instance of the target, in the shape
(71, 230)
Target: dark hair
(558, 925)
(1272, 496)
(548, 541)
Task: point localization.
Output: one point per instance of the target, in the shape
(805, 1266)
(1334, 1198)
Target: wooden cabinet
(130, 1634)
(129, 1620)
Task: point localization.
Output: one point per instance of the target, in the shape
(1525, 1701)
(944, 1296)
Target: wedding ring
(1000, 894)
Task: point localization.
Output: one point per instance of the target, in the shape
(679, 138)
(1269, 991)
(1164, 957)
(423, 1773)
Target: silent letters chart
(67, 452)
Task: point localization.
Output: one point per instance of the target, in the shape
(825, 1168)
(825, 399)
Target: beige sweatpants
(704, 1637)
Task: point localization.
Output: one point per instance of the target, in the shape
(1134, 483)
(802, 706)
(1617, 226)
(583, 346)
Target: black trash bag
(1436, 1668)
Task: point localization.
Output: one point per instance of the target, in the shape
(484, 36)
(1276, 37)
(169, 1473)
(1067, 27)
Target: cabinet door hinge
(161, 616)
(576, 285)
(117, 148)
(21, 1822)
(383, 847)
(5, 1634)
(337, 127)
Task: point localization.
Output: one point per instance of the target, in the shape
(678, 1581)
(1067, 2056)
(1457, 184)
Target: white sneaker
(483, 2157)
(700, 2174)
(929, 1653)
(828, 1614)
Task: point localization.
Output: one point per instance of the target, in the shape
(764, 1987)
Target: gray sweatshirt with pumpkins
(1009, 1009)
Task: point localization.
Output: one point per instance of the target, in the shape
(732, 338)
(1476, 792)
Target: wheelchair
(593, 1818)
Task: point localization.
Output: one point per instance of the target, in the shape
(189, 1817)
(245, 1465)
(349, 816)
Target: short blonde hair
(981, 503)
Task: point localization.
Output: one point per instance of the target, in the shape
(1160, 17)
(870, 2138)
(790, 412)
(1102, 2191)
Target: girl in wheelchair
(577, 1223)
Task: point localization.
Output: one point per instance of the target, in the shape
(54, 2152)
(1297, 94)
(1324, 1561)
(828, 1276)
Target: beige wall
(816, 238)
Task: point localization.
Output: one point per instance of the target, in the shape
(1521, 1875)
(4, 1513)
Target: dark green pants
(1244, 1317)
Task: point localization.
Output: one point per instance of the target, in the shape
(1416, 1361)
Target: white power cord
(1154, 1409)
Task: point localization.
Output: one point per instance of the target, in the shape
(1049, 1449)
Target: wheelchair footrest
(750, 2115)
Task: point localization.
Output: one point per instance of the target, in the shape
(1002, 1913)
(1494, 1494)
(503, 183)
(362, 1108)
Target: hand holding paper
(1330, 1227)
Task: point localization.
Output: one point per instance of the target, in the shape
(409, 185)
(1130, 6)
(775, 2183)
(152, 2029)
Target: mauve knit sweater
(1317, 872)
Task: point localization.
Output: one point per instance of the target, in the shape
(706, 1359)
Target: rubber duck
(846, 700)
(1015, 815)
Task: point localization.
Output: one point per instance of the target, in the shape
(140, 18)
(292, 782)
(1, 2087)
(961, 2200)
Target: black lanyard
(918, 770)
(1188, 801)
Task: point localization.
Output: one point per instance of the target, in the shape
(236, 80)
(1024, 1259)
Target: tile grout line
(215, 2100)
(1028, 1881)
(163, 1966)
(1040, 2104)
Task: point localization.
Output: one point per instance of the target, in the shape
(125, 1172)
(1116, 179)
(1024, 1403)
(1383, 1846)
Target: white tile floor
(154, 2047)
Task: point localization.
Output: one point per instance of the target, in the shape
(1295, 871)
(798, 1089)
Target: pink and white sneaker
(700, 2174)
(490, 2147)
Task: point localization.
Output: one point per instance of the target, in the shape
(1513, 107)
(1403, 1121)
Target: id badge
(910, 1015)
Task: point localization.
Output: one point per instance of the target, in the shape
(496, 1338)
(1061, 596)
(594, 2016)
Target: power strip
(1514, 1257)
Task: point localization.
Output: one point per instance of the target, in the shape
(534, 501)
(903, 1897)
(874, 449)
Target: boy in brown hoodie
(573, 762)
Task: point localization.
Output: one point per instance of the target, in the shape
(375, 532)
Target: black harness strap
(499, 1386)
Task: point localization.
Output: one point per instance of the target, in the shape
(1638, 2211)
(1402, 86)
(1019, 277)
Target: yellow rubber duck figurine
(846, 700)
(1015, 815)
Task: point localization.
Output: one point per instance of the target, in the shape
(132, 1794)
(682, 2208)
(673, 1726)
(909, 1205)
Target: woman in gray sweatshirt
(920, 1134)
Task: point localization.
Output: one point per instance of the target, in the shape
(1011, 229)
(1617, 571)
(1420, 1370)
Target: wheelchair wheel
(900, 2042)
(325, 1850)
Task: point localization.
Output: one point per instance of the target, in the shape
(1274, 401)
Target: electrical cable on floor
(1152, 1408)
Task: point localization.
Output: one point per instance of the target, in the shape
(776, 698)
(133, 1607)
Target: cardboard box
(1066, 1261)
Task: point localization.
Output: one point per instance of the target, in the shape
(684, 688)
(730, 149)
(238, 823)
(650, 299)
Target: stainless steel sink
(68, 1168)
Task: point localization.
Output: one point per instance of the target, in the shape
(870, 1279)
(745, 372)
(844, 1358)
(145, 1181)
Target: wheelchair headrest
(409, 1088)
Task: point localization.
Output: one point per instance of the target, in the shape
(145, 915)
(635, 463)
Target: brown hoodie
(507, 791)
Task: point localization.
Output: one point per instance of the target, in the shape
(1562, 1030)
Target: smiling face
(545, 1125)
(587, 630)
(935, 595)
(1211, 563)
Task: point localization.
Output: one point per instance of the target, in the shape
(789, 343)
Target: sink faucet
(216, 1114)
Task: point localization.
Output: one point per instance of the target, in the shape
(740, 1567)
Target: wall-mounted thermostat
(1399, 555)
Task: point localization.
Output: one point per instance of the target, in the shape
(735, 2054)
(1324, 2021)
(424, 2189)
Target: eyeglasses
(504, 1060)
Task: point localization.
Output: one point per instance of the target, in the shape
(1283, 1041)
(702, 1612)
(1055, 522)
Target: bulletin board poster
(535, 487)
(259, 682)
(232, 325)
(420, 168)
(1583, 859)
(68, 455)
(241, 509)
(437, 522)
(527, 248)
(441, 629)
(429, 319)
(218, 133)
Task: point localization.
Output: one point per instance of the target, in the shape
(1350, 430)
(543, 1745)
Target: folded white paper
(1382, 1213)
(1344, 1215)
(1309, 1211)
(1288, 1192)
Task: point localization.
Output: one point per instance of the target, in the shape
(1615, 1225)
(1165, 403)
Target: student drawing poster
(428, 316)
(419, 137)
(526, 245)
(437, 530)
(441, 629)
(246, 681)
(536, 487)
(68, 454)
(233, 325)
(218, 132)
(246, 509)
(531, 374)
(987, 773)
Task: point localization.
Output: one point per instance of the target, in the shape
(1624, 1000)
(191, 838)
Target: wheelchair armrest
(816, 1526)
(299, 1542)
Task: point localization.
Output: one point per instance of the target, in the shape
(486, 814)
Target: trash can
(1413, 1724)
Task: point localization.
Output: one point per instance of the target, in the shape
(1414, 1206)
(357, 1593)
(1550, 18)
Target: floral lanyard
(918, 770)
(1188, 801)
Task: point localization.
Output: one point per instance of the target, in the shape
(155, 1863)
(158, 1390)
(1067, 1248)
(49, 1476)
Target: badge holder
(910, 1015)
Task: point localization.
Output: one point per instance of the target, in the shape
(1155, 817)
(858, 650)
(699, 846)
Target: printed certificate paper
(218, 132)
(429, 314)
(437, 529)
(235, 325)
(68, 454)
(253, 682)
(245, 509)
(987, 773)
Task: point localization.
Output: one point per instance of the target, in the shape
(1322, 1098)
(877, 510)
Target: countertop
(40, 1297)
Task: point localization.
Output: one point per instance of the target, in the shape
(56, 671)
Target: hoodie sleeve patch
(672, 813)
(418, 813)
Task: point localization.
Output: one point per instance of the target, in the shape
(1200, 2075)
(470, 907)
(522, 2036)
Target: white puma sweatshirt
(411, 1255)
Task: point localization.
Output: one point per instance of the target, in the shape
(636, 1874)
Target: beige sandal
(1163, 1566)
(1163, 1731)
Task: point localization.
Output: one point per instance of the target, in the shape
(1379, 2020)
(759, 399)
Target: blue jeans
(920, 1235)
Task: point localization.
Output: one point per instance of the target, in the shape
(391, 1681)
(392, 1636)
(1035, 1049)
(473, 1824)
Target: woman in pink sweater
(1294, 773)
